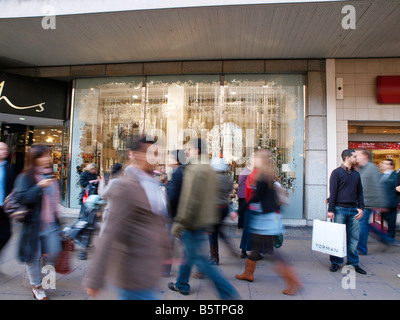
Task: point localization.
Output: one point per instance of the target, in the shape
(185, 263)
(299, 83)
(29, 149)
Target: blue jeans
(143, 294)
(347, 216)
(365, 227)
(364, 231)
(193, 244)
(49, 243)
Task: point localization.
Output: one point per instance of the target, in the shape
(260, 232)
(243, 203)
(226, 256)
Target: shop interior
(381, 139)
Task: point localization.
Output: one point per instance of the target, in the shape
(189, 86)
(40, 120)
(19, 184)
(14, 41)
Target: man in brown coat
(130, 251)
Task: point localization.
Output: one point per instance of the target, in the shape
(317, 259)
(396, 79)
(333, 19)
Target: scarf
(251, 183)
(50, 198)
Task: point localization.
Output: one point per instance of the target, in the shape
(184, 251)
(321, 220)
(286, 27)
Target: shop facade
(290, 107)
(236, 106)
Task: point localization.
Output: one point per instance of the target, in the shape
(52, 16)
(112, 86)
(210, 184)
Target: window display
(244, 113)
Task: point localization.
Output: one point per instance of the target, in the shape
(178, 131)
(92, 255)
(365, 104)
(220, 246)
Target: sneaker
(39, 293)
(172, 287)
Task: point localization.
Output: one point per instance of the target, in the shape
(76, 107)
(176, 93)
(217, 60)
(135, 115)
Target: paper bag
(329, 238)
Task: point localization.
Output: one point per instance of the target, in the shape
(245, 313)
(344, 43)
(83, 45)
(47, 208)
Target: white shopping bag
(329, 238)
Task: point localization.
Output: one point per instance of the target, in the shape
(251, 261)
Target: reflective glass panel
(267, 112)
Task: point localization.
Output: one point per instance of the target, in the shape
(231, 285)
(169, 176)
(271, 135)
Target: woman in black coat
(39, 191)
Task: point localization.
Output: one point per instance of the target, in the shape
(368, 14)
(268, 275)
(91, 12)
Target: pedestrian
(224, 189)
(197, 215)
(89, 180)
(374, 196)
(7, 178)
(39, 190)
(264, 224)
(346, 206)
(389, 180)
(241, 192)
(177, 160)
(104, 189)
(245, 242)
(134, 242)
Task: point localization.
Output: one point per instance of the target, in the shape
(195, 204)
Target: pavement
(380, 282)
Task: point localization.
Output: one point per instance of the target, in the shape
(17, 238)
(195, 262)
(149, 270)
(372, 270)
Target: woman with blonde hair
(89, 180)
(265, 223)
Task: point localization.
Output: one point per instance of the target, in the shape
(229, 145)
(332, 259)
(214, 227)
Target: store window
(106, 111)
(267, 112)
(180, 109)
(246, 113)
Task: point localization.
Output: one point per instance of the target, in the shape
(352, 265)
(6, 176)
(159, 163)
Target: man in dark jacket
(346, 206)
(7, 178)
(174, 186)
(389, 179)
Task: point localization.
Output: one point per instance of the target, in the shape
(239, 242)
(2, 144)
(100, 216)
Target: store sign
(33, 97)
(388, 89)
(38, 106)
(375, 145)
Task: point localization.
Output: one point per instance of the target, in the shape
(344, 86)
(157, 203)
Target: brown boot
(248, 271)
(289, 275)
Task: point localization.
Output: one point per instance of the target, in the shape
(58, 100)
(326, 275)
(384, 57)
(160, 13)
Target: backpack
(14, 209)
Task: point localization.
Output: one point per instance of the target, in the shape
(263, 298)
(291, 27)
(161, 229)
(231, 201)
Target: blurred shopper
(7, 178)
(374, 196)
(346, 206)
(250, 187)
(177, 160)
(389, 180)
(40, 234)
(134, 242)
(197, 215)
(223, 191)
(264, 224)
(241, 192)
(105, 188)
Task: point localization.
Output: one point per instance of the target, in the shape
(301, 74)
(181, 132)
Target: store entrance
(379, 151)
(51, 137)
(20, 137)
(380, 138)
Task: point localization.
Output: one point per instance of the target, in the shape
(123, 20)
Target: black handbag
(14, 209)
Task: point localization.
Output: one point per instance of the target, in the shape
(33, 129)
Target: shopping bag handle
(329, 220)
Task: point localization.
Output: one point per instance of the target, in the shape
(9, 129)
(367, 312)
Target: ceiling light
(21, 118)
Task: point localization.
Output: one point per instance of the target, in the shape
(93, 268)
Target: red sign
(375, 145)
(388, 89)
